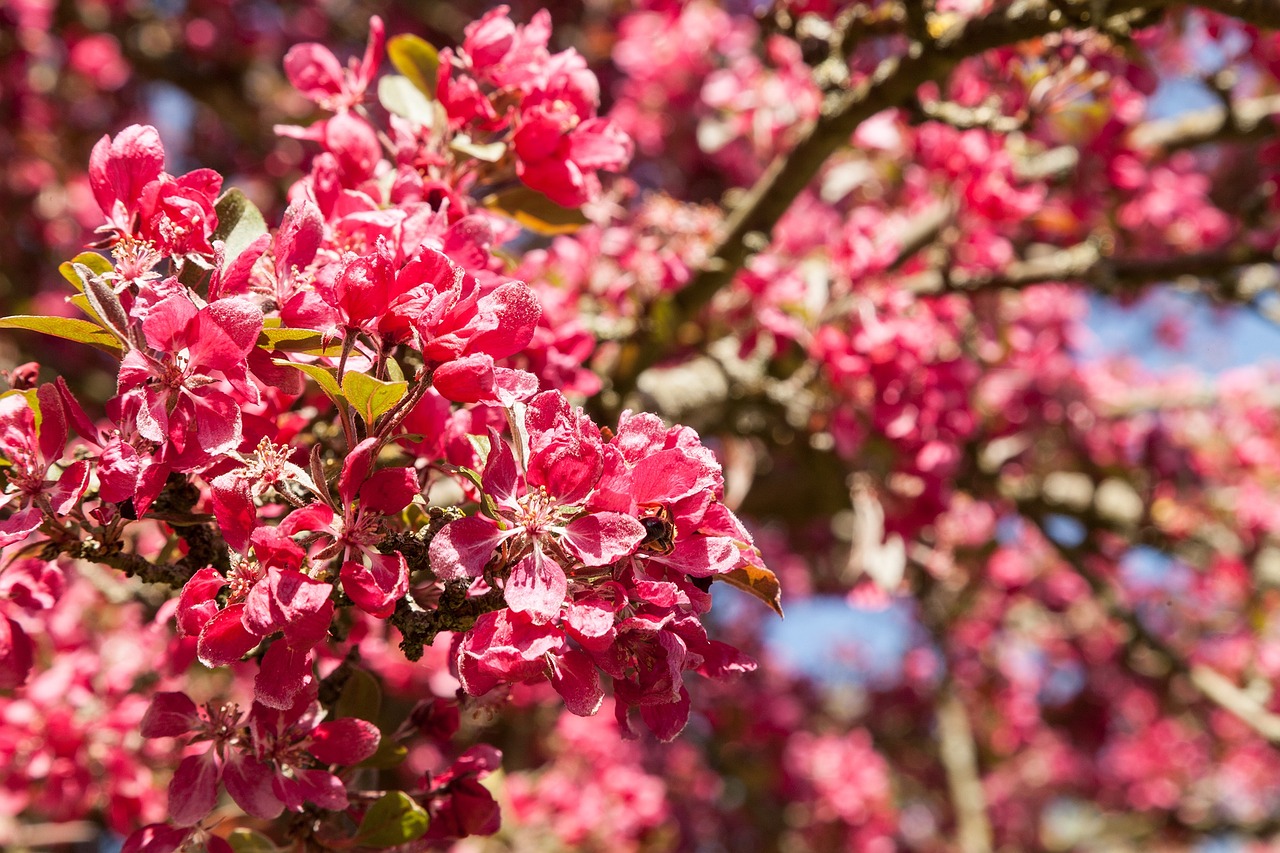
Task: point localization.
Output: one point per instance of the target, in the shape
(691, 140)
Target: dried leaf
(758, 581)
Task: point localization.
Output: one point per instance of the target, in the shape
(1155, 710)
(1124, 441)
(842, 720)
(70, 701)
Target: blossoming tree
(373, 489)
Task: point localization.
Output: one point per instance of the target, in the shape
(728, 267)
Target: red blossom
(267, 760)
(176, 384)
(28, 496)
(315, 71)
(560, 153)
(141, 200)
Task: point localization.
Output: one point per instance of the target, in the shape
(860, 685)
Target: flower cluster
(603, 551)
(261, 455)
(327, 460)
(268, 760)
(503, 83)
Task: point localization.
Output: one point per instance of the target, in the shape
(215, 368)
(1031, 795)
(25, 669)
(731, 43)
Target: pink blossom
(268, 594)
(315, 71)
(352, 529)
(267, 760)
(560, 152)
(28, 496)
(142, 201)
(454, 316)
(540, 526)
(188, 347)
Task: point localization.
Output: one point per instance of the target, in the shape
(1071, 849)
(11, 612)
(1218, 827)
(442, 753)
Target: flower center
(538, 511)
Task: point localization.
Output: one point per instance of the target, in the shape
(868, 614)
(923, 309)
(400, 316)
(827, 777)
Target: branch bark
(894, 83)
(1260, 13)
(960, 761)
(1247, 119)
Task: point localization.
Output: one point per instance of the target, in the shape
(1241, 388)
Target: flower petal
(463, 547)
(602, 538)
(171, 714)
(377, 587)
(537, 586)
(575, 678)
(347, 741)
(194, 790)
(224, 638)
(248, 781)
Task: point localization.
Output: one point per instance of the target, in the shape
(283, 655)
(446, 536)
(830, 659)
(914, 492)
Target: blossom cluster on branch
(414, 440)
(267, 381)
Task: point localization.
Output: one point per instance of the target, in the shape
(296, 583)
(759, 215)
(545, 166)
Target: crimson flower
(603, 550)
(560, 150)
(509, 647)
(189, 347)
(373, 580)
(315, 71)
(457, 801)
(505, 54)
(268, 760)
(30, 453)
(540, 523)
(175, 214)
(267, 595)
(31, 585)
(454, 316)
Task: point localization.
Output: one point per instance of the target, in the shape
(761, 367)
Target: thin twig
(1087, 263)
(1211, 684)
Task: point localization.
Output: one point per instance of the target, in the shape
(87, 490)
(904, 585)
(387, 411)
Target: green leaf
(94, 262)
(372, 397)
(70, 328)
(325, 377)
(81, 302)
(416, 59)
(535, 211)
(81, 271)
(361, 697)
(239, 223)
(249, 841)
(488, 153)
(390, 754)
(307, 341)
(394, 370)
(394, 819)
(400, 96)
(662, 319)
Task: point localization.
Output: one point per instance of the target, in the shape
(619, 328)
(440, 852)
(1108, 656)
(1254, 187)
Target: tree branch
(1086, 263)
(892, 84)
(1247, 119)
(960, 761)
(986, 116)
(1211, 684)
(174, 504)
